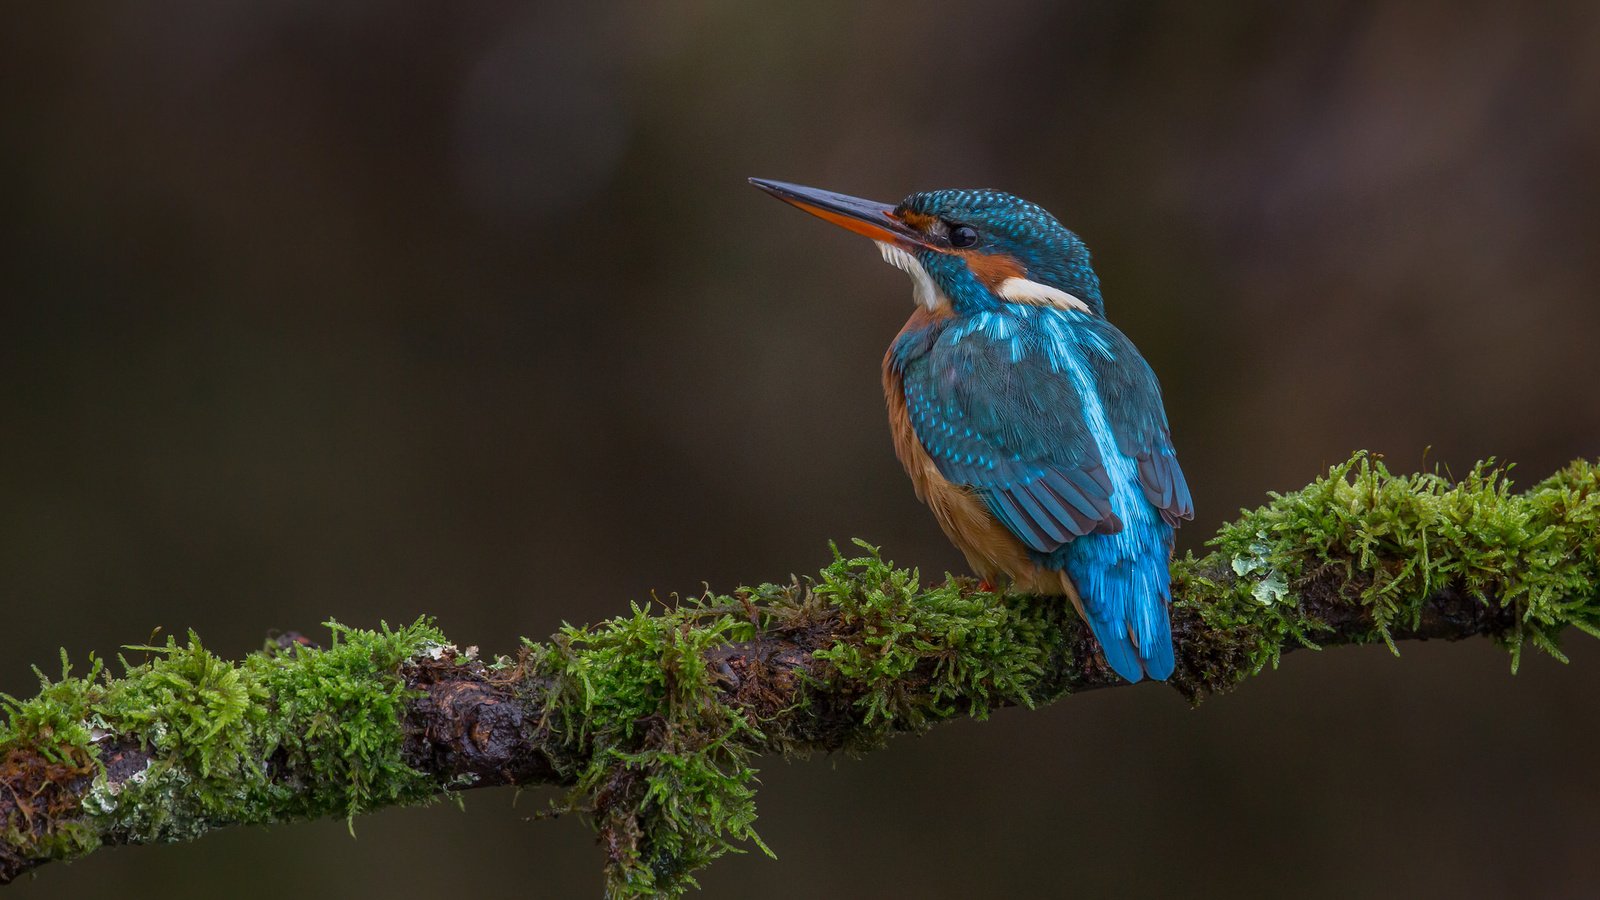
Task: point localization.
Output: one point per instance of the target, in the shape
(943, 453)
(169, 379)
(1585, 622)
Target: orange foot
(986, 585)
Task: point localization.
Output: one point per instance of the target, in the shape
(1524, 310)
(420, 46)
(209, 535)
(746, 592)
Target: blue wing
(1014, 430)
(1132, 400)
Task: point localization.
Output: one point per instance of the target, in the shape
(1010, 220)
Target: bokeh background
(370, 310)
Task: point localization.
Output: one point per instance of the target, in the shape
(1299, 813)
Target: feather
(1002, 421)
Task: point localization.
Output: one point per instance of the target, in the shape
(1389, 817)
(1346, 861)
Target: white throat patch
(923, 290)
(1021, 290)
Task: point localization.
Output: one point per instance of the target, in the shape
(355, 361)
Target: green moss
(45, 744)
(913, 656)
(54, 722)
(662, 762)
(1390, 542)
(338, 713)
(277, 736)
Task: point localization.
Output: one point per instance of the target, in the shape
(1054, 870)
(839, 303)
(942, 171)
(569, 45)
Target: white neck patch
(923, 290)
(1021, 290)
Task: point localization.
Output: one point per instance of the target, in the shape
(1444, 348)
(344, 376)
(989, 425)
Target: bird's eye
(962, 236)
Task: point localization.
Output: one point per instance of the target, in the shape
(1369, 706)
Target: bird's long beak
(865, 217)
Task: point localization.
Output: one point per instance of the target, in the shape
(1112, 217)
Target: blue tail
(1126, 602)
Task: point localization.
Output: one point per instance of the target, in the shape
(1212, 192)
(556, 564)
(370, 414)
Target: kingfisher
(1028, 423)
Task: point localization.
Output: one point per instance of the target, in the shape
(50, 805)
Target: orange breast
(992, 551)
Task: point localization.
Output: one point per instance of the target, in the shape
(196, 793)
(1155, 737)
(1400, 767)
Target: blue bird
(1028, 423)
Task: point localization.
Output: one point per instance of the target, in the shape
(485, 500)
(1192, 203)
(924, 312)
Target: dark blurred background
(369, 310)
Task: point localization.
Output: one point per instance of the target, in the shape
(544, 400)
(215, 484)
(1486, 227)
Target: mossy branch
(653, 719)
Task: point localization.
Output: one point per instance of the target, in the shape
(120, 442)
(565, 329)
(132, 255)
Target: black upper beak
(866, 217)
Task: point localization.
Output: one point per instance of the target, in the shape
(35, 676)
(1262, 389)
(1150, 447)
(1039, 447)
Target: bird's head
(966, 250)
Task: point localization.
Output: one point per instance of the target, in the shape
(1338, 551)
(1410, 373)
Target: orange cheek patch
(992, 268)
(918, 221)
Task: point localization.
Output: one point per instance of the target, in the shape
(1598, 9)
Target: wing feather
(1138, 419)
(1014, 430)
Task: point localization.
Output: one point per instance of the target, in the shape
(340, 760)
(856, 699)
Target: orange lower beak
(864, 217)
